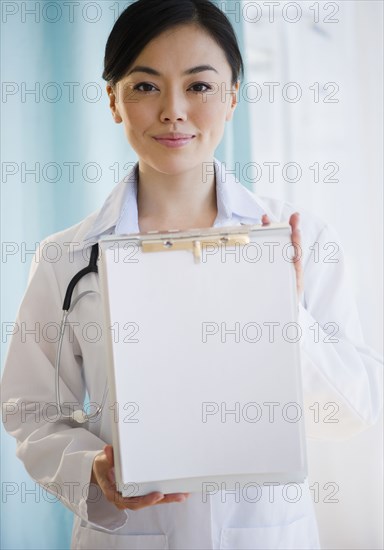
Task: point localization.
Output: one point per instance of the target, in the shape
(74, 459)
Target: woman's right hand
(103, 476)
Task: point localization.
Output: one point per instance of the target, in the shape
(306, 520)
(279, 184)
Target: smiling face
(175, 99)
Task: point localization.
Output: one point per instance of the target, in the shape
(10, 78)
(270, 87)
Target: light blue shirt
(235, 205)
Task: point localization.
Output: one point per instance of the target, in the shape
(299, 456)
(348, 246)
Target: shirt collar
(234, 201)
(119, 214)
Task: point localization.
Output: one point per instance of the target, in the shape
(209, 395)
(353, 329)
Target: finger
(109, 490)
(110, 473)
(174, 497)
(108, 449)
(160, 498)
(294, 221)
(265, 220)
(132, 503)
(136, 503)
(296, 241)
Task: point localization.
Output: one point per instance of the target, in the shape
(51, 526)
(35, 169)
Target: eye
(144, 87)
(200, 87)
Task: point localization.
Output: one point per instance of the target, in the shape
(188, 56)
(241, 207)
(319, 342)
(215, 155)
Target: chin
(173, 165)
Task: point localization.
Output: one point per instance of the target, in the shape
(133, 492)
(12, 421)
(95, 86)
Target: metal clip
(195, 245)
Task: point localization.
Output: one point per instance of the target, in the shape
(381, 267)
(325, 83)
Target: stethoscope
(79, 415)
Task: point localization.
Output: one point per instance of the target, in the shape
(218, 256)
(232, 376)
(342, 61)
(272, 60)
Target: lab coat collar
(115, 207)
(119, 214)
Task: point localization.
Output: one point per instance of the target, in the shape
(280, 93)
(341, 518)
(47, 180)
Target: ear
(113, 104)
(233, 102)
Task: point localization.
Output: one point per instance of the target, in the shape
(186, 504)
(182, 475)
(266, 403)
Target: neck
(177, 201)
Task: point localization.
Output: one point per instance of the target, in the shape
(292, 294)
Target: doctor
(173, 70)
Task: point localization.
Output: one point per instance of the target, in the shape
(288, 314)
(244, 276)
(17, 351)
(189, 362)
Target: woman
(173, 70)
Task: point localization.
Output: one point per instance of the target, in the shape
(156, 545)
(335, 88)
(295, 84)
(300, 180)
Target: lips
(174, 140)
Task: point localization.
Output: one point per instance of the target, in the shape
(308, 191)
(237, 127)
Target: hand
(103, 475)
(296, 241)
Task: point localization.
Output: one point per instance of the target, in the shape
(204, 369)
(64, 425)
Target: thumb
(108, 449)
(265, 220)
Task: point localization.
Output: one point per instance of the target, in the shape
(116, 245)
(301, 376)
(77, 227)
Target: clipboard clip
(195, 244)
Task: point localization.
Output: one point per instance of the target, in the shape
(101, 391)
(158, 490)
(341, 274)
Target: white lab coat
(59, 455)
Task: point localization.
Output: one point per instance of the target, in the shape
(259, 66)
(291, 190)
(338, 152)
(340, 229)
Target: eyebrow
(192, 70)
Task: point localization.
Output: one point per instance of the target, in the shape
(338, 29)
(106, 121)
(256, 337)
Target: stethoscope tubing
(79, 415)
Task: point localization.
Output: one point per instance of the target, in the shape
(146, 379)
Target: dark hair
(143, 20)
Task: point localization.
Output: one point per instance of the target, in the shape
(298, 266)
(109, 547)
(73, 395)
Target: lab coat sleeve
(342, 378)
(56, 454)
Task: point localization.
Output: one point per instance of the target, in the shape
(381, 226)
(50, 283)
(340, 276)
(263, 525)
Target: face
(175, 99)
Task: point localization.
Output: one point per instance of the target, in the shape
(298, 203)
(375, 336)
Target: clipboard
(203, 358)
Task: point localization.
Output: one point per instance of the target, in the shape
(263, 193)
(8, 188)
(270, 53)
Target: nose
(173, 107)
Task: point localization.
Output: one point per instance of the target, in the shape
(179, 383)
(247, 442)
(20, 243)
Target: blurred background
(308, 129)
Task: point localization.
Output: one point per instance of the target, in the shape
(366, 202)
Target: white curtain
(323, 130)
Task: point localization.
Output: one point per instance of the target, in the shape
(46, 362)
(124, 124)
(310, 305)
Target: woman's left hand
(296, 241)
